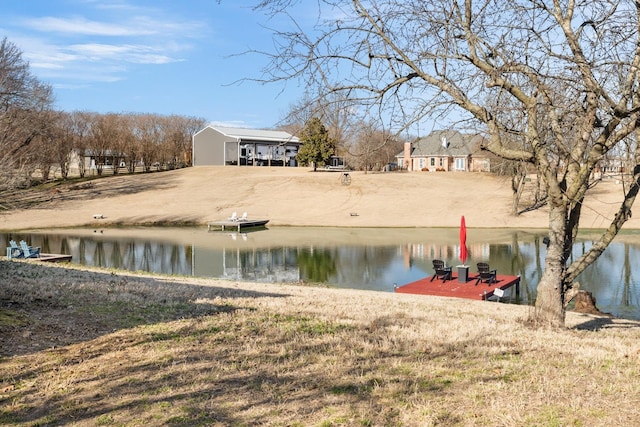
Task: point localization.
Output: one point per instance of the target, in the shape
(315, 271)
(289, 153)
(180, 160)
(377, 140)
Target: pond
(360, 258)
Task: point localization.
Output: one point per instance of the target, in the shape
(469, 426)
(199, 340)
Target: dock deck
(236, 225)
(454, 288)
(53, 258)
(47, 258)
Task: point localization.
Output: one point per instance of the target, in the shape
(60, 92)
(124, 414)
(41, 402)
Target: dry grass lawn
(86, 347)
(129, 350)
(294, 196)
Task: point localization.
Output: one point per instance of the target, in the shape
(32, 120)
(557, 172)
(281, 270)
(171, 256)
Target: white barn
(220, 145)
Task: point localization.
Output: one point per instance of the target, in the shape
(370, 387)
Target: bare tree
(23, 99)
(333, 111)
(80, 122)
(299, 114)
(570, 70)
(121, 137)
(129, 142)
(43, 150)
(373, 148)
(149, 137)
(178, 131)
(62, 140)
(102, 141)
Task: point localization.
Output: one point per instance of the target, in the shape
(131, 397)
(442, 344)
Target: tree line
(38, 142)
(329, 127)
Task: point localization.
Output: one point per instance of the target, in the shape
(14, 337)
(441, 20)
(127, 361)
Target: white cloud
(80, 25)
(84, 75)
(46, 65)
(138, 54)
(65, 49)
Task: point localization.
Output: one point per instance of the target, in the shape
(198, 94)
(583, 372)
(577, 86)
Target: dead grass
(290, 196)
(141, 350)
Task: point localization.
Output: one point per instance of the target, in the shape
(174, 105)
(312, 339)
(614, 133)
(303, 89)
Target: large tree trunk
(549, 309)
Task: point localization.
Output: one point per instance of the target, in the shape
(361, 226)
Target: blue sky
(151, 56)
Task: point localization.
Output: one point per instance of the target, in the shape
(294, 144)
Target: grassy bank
(92, 348)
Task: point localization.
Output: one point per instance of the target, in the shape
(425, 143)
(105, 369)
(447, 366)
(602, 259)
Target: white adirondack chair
(14, 251)
(29, 251)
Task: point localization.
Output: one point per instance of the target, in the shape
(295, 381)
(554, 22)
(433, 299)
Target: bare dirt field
(87, 347)
(298, 196)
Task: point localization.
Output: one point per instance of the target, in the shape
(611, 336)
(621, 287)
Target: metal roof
(244, 134)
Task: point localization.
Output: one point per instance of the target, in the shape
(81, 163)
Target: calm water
(373, 259)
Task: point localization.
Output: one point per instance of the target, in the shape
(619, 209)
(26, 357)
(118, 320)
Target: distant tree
(63, 140)
(45, 153)
(373, 147)
(80, 123)
(129, 142)
(334, 112)
(298, 115)
(177, 132)
(149, 139)
(103, 136)
(23, 99)
(317, 147)
(122, 135)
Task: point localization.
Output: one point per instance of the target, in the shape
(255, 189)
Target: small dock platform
(237, 224)
(53, 258)
(453, 288)
(46, 258)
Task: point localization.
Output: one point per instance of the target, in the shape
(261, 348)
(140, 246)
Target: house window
(420, 163)
(441, 161)
(460, 164)
(433, 161)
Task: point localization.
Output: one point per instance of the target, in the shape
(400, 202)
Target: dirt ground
(298, 197)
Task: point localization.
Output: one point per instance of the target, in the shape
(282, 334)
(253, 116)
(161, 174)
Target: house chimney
(407, 156)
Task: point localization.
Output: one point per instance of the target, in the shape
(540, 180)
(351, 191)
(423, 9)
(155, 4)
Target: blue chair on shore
(14, 250)
(29, 251)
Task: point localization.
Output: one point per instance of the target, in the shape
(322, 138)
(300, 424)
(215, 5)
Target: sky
(151, 56)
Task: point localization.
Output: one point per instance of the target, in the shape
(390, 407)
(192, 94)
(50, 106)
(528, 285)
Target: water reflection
(372, 259)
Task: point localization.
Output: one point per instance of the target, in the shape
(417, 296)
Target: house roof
(244, 134)
(446, 143)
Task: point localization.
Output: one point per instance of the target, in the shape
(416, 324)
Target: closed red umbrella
(463, 241)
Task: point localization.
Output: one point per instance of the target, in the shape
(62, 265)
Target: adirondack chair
(233, 217)
(486, 274)
(14, 250)
(441, 271)
(29, 251)
(243, 217)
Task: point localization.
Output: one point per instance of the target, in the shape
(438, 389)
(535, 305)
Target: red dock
(453, 288)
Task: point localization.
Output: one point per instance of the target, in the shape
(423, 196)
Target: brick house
(446, 151)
